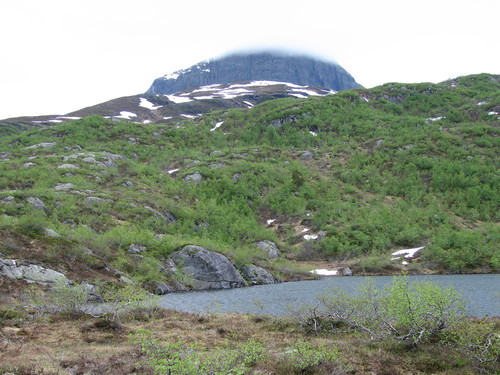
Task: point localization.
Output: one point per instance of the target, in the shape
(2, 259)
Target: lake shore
(335, 268)
(60, 344)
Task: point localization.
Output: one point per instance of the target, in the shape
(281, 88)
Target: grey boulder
(307, 155)
(347, 271)
(269, 247)
(167, 216)
(68, 166)
(207, 269)
(258, 275)
(135, 249)
(41, 145)
(51, 233)
(31, 273)
(163, 288)
(93, 200)
(36, 203)
(195, 177)
(64, 186)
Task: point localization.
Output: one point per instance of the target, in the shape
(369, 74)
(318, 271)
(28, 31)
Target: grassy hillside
(367, 171)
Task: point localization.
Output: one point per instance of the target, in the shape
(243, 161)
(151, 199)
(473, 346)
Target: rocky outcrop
(195, 178)
(36, 203)
(68, 166)
(93, 200)
(258, 275)
(32, 272)
(51, 233)
(135, 249)
(167, 216)
(41, 145)
(307, 155)
(106, 159)
(160, 289)
(64, 186)
(347, 272)
(269, 247)
(269, 66)
(205, 269)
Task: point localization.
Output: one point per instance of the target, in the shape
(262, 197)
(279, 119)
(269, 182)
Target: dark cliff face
(267, 66)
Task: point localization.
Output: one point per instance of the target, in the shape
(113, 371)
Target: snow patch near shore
(407, 253)
(324, 272)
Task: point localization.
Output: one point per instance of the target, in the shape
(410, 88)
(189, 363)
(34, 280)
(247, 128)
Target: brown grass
(58, 345)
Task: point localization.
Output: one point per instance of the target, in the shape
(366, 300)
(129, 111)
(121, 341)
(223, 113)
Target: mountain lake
(481, 292)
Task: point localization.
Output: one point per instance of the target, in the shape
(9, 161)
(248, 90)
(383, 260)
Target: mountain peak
(257, 66)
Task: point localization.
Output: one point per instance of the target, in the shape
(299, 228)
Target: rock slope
(270, 66)
(235, 81)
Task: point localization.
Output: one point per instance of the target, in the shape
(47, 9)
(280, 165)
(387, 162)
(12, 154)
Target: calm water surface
(482, 293)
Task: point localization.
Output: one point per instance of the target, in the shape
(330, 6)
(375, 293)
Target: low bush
(62, 297)
(11, 316)
(377, 263)
(478, 340)
(409, 312)
(176, 357)
(32, 225)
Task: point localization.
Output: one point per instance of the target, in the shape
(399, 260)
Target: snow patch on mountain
(172, 75)
(68, 117)
(147, 104)
(207, 88)
(178, 99)
(265, 83)
(305, 91)
(217, 126)
(205, 97)
(126, 115)
(235, 90)
(300, 96)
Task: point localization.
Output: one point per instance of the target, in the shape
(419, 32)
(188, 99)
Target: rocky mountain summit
(234, 81)
(269, 66)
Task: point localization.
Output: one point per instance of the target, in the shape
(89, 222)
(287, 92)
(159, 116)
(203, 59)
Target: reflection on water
(482, 293)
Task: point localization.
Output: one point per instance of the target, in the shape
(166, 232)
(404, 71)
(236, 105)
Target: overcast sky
(57, 56)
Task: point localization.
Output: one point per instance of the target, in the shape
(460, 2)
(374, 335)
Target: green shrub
(478, 342)
(408, 312)
(62, 297)
(32, 225)
(11, 316)
(119, 299)
(303, 357)
(377, 263)
(175, 357)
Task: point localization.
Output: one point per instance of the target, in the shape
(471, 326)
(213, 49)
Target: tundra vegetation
(404, 328)
(372, 170)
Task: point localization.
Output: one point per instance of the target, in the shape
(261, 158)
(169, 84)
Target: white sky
(58, 56)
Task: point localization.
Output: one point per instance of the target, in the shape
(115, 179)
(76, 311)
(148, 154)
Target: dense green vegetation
(397, 166)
